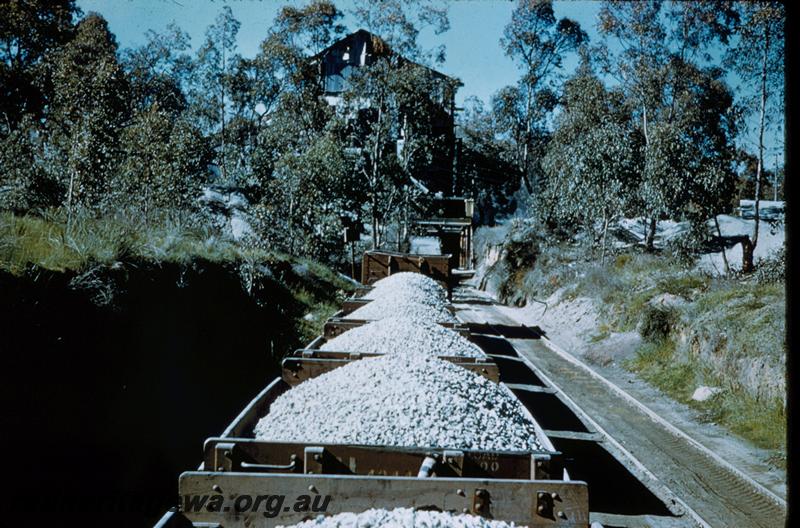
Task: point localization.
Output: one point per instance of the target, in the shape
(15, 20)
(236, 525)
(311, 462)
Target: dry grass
(45, 241)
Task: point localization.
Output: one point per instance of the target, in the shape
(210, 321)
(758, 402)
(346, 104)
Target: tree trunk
(291, 223)
(525, 150)
(375, 178)
(146, 203)
(222, 112)
(644, 126)
(605, 233)
(69, 199)
(747, 255)
(71, 189)
(749, 247)
(651, 234)
(724, 256)
(650, 231)
(376, 243)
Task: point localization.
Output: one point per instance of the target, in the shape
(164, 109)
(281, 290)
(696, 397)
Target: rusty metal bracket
(314, 457)
(545, 504)
(454, 460)
(542, 467)
(481, 503)
(223, 456)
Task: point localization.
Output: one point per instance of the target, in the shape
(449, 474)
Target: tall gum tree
(758, 58)
(538, 42)
(655, 41)
(394, 92)
(90, 106)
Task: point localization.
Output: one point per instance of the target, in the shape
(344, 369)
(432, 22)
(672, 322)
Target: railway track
(710, 491)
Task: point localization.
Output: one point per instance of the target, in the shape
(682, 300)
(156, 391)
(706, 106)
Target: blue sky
(473, 49)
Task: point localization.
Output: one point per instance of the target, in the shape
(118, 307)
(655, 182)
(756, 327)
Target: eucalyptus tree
(660, 46)
(90, 106)
(396, 96)
(486, 167)
(758, 58)
(294, 157)
(399, 23)
(29, 31)
(311, 190)
(593, 161)
(25, 185)
(210, 84)
(392, 104)
(538, 41)
(163, 163)
(158, 70)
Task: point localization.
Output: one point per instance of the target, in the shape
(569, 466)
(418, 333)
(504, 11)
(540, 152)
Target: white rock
(704, 393)
(402, 335)
(667, 300)
(402, 518)
(396, 307)
(401, 400)
(406, 294)
(409, 285)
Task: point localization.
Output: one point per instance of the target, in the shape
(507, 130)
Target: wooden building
(336, 66)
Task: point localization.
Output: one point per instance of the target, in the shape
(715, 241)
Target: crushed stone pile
(393, 307)
(409, 285)
(402, 518)
(406, 294)
(401, 335)
(401, 400)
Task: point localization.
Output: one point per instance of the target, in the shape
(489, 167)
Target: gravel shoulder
(571, 328)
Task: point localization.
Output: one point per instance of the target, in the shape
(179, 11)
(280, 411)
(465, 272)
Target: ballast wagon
(244, 481)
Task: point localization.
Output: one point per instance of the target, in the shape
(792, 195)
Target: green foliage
(392, 140)
(89, 106)
(751, 315)
(772, 270)
(521, 252)
(657, 322)
(44, 241)
(487, 164)
(163, 164)
(622, 260)
(687, 246)
(593, 161)
(29, 32)
(685, 285)
(761, 422)
(761, 29)
(24, 182)
(399, 23)
(656, 363)
(538, 42)
(684, 112)
(210, 87)
(157, 71)
(306, 198)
